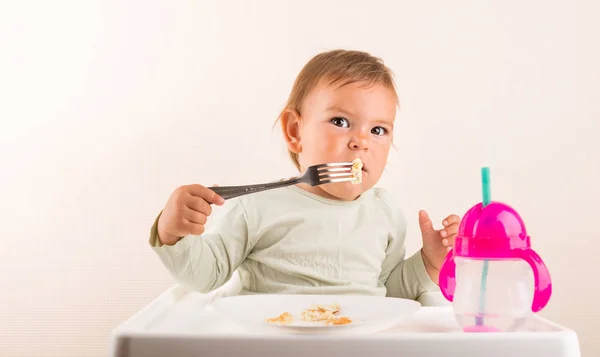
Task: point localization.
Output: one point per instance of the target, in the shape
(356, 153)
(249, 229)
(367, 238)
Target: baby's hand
(437, 243)
(186, 212)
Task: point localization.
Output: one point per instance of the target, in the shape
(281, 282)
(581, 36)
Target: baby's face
(340, 124)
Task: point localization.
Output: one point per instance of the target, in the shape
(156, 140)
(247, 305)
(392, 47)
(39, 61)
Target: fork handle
(228, 192)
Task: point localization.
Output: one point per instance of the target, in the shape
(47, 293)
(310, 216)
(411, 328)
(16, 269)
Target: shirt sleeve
(206, 262)
(405, 278)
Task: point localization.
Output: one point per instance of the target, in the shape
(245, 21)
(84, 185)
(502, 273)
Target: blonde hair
(337, 67)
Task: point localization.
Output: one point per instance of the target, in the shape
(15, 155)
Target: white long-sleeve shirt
(289, 240)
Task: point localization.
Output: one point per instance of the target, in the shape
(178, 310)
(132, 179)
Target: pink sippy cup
(487, 275)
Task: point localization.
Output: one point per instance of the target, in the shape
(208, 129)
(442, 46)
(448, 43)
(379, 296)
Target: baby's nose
(359, 142)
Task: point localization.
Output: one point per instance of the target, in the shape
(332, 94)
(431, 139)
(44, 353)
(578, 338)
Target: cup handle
(447, 277)
(541, 276)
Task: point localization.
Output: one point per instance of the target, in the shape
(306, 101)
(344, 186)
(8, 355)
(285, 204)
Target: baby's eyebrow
(339, 109)
(385, 122)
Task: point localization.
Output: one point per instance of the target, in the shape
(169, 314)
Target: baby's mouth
(363, 165)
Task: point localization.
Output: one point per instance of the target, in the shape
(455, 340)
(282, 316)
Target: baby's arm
(405, 278)
(207, 261)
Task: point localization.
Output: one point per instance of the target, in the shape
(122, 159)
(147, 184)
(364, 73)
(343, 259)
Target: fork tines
(335, 172)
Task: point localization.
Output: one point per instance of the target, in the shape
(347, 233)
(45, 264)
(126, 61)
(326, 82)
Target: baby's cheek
(373, 175)
(331, 145)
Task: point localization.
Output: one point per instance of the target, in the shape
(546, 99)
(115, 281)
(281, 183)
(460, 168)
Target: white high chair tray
(181, 323)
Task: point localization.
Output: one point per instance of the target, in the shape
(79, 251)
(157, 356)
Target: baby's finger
(198, 204)
(449, 242)
(425, 222)
(451, 219)
(207, 194)
(449, 231)
(194, 216)
(194, 228)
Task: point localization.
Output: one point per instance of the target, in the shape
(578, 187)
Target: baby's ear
(290, 125)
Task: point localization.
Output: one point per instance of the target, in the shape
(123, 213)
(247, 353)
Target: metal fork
(314, 176)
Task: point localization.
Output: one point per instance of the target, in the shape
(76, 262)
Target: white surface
(177, 325)
(368, 313)
(106, 106)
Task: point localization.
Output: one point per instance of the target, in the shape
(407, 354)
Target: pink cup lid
(493, 231)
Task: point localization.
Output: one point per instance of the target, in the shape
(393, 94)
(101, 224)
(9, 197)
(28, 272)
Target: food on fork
(357, 171)
(284, 319)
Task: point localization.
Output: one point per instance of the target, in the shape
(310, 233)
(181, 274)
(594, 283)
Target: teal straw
(487, 198)
(485, 186)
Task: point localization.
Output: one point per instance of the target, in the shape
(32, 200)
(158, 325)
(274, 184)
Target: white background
(107, 106)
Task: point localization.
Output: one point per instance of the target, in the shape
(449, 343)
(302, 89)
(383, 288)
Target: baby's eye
(378, 131)
(341, 122)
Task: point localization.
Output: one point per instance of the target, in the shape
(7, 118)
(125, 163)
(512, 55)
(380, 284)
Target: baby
(337, 238)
